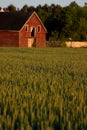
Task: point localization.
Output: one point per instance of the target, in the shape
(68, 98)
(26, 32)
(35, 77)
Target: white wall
(76, 44)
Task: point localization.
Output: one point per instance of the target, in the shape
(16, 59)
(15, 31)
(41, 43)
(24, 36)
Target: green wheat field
(43, 89)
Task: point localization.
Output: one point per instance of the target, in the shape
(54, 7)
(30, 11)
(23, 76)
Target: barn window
(39, 28)
(26, 28)
(32, 31)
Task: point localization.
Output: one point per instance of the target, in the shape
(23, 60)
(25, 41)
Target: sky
(21, 3)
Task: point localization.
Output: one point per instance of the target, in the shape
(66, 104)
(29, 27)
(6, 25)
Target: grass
(43, 89)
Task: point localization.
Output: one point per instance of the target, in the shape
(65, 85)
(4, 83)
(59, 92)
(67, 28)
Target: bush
(55, 44)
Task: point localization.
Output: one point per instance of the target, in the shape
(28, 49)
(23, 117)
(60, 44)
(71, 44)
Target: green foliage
(11, 8)
(25, 8)
(43, 89)
(54, 36)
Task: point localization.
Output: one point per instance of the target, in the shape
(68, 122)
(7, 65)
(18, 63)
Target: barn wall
(41, 40)
(39, 36)
(9, 39)
(23, 37)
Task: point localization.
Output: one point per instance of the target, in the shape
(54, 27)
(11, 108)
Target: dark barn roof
(13, 20)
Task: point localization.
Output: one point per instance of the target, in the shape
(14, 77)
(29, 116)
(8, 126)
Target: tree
(86, 4)
(31, 9)
(83, 29)
(73, 5)
(70, 21)
(45, 8)
(25, 8)
(11, 8)
(38, 8)
(52, 8)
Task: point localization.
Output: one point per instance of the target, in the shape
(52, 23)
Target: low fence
(76, 44)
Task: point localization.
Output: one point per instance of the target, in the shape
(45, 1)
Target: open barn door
(31, 42)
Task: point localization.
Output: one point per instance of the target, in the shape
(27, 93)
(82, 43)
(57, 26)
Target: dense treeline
(62, 23)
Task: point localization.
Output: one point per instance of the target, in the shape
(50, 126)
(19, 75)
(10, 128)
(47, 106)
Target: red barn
(20, 29)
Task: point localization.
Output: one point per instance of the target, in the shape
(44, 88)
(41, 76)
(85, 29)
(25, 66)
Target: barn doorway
(32, 39)
(33, 31)
(31, 42)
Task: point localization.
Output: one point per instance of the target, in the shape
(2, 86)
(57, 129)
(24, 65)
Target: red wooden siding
(23, 38)
(41, 40)
(9, 39)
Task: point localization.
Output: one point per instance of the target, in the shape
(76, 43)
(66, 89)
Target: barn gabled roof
(13, 20)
